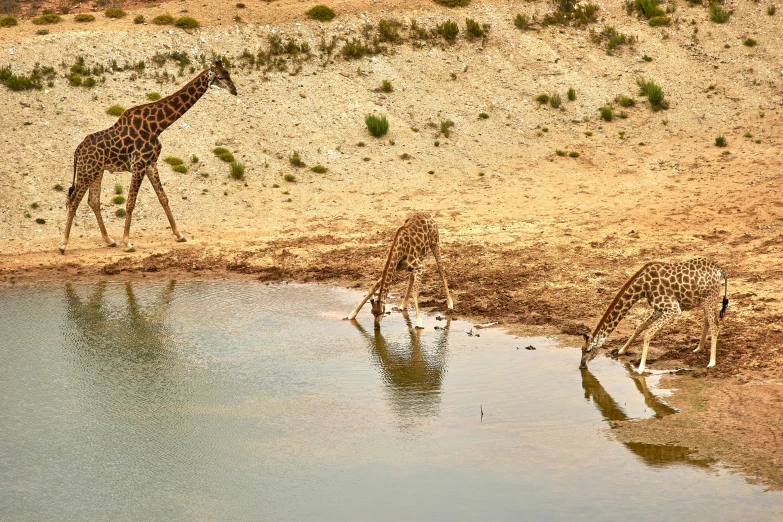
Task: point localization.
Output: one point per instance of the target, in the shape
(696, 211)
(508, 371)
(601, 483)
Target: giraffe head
(589, 349)
(221, 78)
(378, 311)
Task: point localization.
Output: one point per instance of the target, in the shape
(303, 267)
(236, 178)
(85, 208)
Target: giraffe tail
(725, 291)
(73, 184)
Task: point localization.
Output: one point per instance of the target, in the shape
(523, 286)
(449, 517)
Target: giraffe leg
(703, 331)
(435, 247)
(416, 285)
(408, 293)
(73, 204)
(712, 318)
(668, 317)
(152, 174)
(133, 192)
(644, 324)
(353, 314)
(94, 200)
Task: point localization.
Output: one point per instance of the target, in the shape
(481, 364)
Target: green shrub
(453, 3)
(319, 169)
(654, 94)
(173, 161)
(648, 8)
(217, 151)
(522, 22)
(626, 101)
(555, 100)
(153, 96)
(321, 13)
(560, 152)
(46, 19)
(114, 12)
(573, 154)
(8, 21)
(58, 188)
(750, 42)
(354, 49)
(237, 170)
(720, 141)
(194, 159)
(646, 58)
(448, 30)
(186, 22)
(474, 29)
(118, 200)
(771, 10)
(571, 94)
(295, 160)
(437, 143)
(483, 116)
(118, 189)
(377, 125)
(75, 80)
(388, 31)
(120, 212)
(226, 156)
(84, 17)
(34, 205)
(445, 127)
(40, 221)
(606, 113)
(543, 99)
(89, 82)
(115, 110)
(163, 19)
(386, 86)
(718, 14)
(182, 169)
(290, 178)
(22, 82)
(240, 5)
(139, 19)
(657, 21)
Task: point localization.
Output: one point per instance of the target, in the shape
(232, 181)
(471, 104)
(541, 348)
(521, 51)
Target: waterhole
(242, 401)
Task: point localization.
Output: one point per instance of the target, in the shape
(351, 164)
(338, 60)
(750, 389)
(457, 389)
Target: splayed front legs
(366, 298)
(667, 317)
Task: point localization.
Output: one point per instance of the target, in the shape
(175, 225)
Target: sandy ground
(529, 238)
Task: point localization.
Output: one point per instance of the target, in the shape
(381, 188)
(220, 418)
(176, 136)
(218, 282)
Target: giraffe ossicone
(670, 289)
(412, 242)
(131, 145)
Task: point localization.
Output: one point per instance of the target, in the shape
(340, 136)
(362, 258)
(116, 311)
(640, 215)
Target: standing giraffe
(412, 242)
(131, 145)
(670, 288)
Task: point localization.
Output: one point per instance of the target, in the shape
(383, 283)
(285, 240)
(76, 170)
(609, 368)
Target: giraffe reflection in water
(412, 373)
(656, 455)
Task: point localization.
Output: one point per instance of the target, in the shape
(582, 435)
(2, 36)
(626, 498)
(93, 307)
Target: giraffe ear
(372, 301)
(219, 63)
(587, 337)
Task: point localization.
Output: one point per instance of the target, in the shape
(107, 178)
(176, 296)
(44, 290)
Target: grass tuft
(445, 127)
(182, 169)
(321, 13)
(115, 110)
(453, 3)
(120, 212)
(654, 94)
(237, 170)
(296, 160)
(163, 19)
(573, 154)
(84, 17)
(448, 30)
(114, 12)
(543, 99)
(750, 42)
(571, 94)
(47, 19)
(555, 100)
(386, 86)
(217, 151)
(118, 199)
(118, 189)
(40, 221)
(139, 19)
(474, 29)
(377, 125)
(483, 116)
(720, 141)
(718, 14)
(606, 113)
(8, 21)
(522, 22)
(290, 178)
(173, 161)
(153, 96)
(626, 101)
(771, 10)
(58, 188)
(187, 22)
(319, 169)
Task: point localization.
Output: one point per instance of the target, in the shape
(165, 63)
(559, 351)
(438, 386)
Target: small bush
(34, 205)
(8, 21)
(173, 161)
(560, 152)
(40, 221)
(84, 17)
(448, 30)
(388, 31)
(290, 178)
(453, 3)
(118, 200)
(58, 188)
(657, 21)
(118, 189)
(573, 154)
(75, 80)
(571, 94)
(186, 22)
(555, 100)
(445, 127)
(354, 49)
(237, 170)
(386, 86)
(718, 14)
(720, 141)
(319, 169)
(771, 10)
(194, 159)
(182, 169)
(749, 42)
(646, 58)
(153, 96)
(543, 99)
(139, 19)
(474, 29)
(437, 143)
(606, 113)
(114, 12)
(217, 151)
(163, 19)
(626, 101)
(648, 8)
(295, 160)
(321, 13)
(226, 156)
(377, 125)
(89, 82)
(483, 116)
(654, 94)
(120, 212)
(747, 135)
(47, 19)
(115, 110)
(522, 22)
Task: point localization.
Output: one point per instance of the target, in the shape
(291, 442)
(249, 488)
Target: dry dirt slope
(537, 239)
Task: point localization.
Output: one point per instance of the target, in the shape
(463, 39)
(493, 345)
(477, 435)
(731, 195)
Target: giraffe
(131, 145)
(412, 242)
(670, 288)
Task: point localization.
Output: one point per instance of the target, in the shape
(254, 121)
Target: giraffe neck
(167, 110)
(628, 295)
(390, 267)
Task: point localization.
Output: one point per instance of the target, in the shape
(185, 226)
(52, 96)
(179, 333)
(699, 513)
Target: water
(240, 401)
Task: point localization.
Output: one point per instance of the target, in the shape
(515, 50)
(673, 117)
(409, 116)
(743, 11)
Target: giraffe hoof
(113, 244)
(181, 239)
(130, 249)
(61, 249)
(697, 350)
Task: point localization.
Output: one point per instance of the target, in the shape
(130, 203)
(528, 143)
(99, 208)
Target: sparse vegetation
(321, 13)
(226, 156)
(58, 188)
(139, 19)
(237, 170)
(771, 10)
(747, 135)
(187, 22)
(569, 11)
(555, 100)
(290, 178)
(606, 113)
(388, 31)
(386, 86)
(646, 58)
(21, 82)
(648, 8)
(571, 94)
(319, 169)
(84, 17)
(718, 14)
(522, 22)
(194, 159)
(560, 152)
(657, 21)
(47, 19)
(34, 205)
(114, 12)
(473, 29)
(118, 200)
(120, 212)
(573, 154)
(163, 19)
(377, 125)
(118, 189)
(173, 161)
(217, 151)
(153, 96)
(115, 110)
(483, 116)
(453, 3)
(626, 101)
(295, 160)
(445, 127)
(40, 221)
(8, 21)
(448, 30)
(749, 42)
(182, 169)
(720, 141)
(654, 94)
(543, 99)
